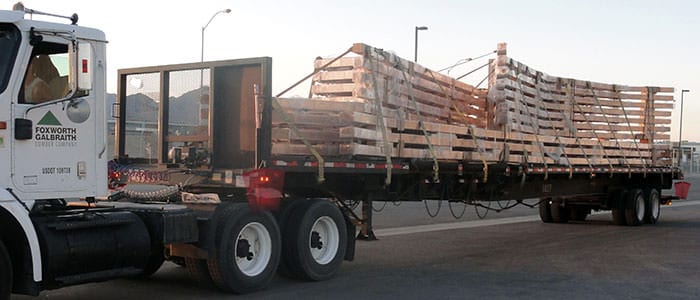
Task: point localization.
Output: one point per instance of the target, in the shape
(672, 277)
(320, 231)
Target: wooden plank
(292, 149)
(324, 134)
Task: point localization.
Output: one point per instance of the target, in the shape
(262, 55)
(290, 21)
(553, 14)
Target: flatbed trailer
(235, 153)
(573, 192)
(214, 173)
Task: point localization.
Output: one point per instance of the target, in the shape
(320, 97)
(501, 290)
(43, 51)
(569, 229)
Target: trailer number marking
(56, 171)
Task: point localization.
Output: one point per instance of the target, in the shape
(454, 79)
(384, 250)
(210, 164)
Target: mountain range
(142, 108)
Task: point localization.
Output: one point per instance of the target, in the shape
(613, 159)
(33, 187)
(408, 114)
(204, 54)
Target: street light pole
(204, 98)
(225, 11)
(680, 131)
(415, 57)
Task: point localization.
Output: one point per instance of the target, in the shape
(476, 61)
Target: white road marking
(483, 223)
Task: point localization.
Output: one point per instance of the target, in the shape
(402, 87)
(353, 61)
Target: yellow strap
(380, 120)
(532, 123)
(470, 129)
(431, 150)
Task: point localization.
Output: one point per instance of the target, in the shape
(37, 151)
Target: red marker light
(85, 65)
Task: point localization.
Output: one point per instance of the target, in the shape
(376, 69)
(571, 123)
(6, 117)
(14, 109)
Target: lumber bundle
(400, 85)
(528, 101)
(377, 105)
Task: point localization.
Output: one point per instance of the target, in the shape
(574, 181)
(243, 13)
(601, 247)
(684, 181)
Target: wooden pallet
(376, 104)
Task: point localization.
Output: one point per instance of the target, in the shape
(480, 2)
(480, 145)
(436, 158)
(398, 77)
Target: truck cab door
(55, 136)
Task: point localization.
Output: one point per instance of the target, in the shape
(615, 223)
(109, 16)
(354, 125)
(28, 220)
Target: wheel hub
(323, 240)
(253, 249)
(243, 249)
(316, 242)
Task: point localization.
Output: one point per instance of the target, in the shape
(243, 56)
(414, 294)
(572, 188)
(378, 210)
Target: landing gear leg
(366, 230)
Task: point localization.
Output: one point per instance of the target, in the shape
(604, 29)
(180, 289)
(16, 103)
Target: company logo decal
(50, 132)
(49, 119)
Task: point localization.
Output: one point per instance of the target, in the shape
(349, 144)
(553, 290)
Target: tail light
(264, 188)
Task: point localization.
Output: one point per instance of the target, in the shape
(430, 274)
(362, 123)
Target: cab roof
(18, 19)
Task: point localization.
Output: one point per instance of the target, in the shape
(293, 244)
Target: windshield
(9, 40)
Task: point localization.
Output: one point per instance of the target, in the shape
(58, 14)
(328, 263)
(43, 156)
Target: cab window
(47, 76)
(9, 42)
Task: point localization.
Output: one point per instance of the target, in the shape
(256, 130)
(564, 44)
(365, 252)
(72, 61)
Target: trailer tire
(283, 217)
(198, 270)
(315, 241)
(5, 273)
(635, 207)
(247, 251)
(560, 214)
(545, 211)
(653, 206)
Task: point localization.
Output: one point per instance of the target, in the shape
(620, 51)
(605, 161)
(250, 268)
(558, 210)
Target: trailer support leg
(366, 230)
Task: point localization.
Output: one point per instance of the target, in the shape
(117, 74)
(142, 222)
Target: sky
(625, 42)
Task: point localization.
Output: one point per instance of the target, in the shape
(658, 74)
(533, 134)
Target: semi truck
(234, 184)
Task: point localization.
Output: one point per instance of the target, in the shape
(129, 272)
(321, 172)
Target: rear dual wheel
(635, 207)
(248, 250)
(553, 210)
(545, 211)
(5, 273)
(560, 213)
(653, 206)
(315, 241)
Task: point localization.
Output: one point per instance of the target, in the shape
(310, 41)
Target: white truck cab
(52, 131)
(53, 149)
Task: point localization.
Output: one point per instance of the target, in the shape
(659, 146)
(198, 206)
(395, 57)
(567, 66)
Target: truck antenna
(19, 6)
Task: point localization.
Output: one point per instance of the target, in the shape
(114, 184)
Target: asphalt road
(507, 255)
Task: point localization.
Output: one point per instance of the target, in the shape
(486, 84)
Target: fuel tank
(89, 246)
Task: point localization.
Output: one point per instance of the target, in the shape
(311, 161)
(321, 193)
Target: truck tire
(635, 207)
(5, 273)
(545, 211)
(315, 241)
(283, 219)
(247, 251)
(653, 206)
(560, 214)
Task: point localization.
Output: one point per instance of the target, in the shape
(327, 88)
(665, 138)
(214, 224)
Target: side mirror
(84, 66)
(23, 129)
